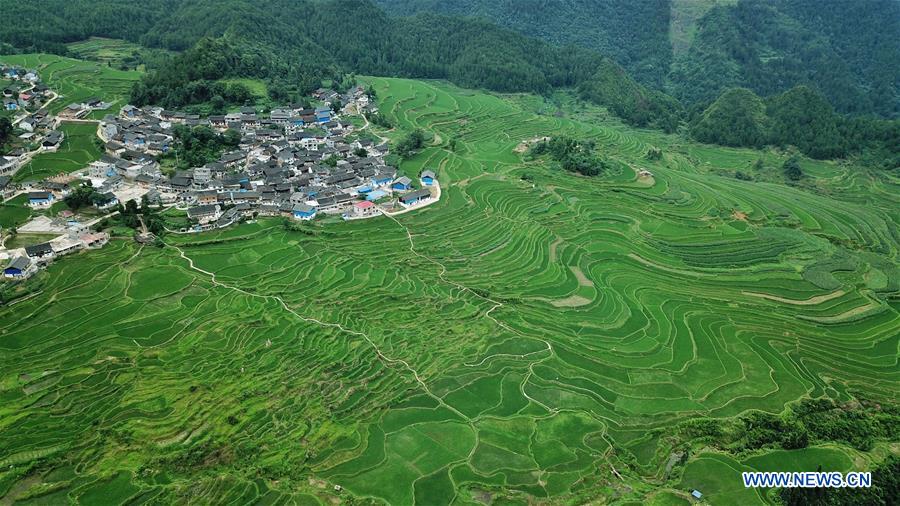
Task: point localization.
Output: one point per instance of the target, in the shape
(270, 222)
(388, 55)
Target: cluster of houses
(25, 91)
(78, 110)
(41, 135)
(294, 161)
(78, 238)
(25, 95)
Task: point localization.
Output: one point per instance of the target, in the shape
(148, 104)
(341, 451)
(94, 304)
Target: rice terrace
(533, 337)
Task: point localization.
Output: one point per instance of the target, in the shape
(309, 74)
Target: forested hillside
(632, 33)
(846, 52)
(849, 51)
(301, 42)
(46, 26)
(799, 117)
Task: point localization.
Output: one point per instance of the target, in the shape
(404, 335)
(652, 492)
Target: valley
(534, 336)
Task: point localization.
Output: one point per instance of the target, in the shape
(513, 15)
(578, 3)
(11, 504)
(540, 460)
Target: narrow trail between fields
(337, 326)
(488, 315)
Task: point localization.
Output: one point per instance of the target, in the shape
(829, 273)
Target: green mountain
(629, 100)
(634, 33)
(800, 117)
(849, 51)
(696, 49)
(300, 42)
(850, 57)
(737, 118)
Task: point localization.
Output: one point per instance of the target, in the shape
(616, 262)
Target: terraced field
(76, 152)
(518, 341)
(76, 80)
(113, 52)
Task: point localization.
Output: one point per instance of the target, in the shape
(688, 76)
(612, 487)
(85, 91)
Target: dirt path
(496, 305)
(806, 302)
(381, 355)
(366, 127)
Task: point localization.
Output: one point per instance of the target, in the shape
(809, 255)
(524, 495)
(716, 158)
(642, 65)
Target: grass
(115, 53)
(423, 359)
(77, 80)
(21, 240)
(257, 87)
(78, 149)
(14, 212)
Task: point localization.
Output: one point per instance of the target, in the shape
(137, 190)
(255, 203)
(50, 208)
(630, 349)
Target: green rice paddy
(14, 211)
(77, 80)
(112, 52)
(77, 150)
(519, 341)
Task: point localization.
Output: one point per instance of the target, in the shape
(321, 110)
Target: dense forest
(301, 42)
(637, 105)
(633, 33)
(848, 51)
(804, 68)
(800, 117)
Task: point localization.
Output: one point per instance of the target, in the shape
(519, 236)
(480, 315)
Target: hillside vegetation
(799, 117)
(536, 335)
(302, 42)
(848, 51)
(768, 47)
(632, 33)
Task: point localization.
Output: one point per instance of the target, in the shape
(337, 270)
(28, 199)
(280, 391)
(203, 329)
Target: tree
(217, 103)
(131, 207)
(572, 155)
(231, 138)
(6, 129)
(408, 144)
(83, 196)
(792, 169)
(278, 91)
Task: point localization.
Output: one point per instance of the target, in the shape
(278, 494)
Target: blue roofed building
(375, 195)
(40, 199)
(19, 268)
(304, 212)
(415, 197)
(402, 183)
(323, 114)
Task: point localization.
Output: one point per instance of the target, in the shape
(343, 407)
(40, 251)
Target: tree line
(296, 44)
(571, 155)
(799, 117)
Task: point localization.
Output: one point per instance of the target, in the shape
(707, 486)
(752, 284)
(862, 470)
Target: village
(297, 162)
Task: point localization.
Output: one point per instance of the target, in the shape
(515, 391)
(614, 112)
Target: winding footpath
(381, 355)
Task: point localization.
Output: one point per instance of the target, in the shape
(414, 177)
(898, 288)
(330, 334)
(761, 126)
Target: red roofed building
(364, 208)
